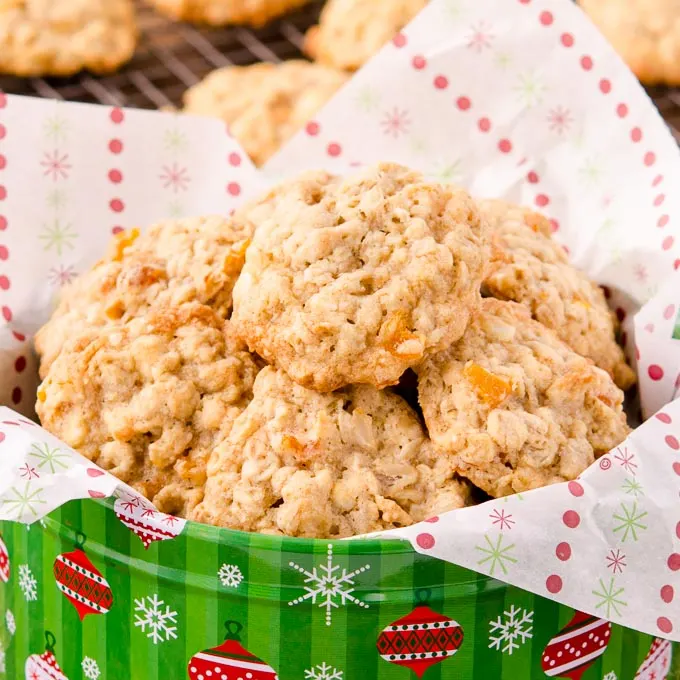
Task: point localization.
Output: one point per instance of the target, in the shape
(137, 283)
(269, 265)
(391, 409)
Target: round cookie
(512, 408)
(62, 37)
(173, 262)
(355, 280)
(264, 104)
(222, 12)
(150, 399)
(529, 267)
(350, 32)
(302, 463)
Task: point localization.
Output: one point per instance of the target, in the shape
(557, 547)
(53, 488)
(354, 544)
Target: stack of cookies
(341, 356)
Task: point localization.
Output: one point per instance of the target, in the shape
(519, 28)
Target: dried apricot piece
(398, 340)
(491, 389)
(124, 240)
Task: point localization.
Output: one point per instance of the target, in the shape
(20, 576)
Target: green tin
(82, 597)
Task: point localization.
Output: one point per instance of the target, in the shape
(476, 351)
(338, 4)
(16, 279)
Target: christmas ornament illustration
(230, 659)
(657, 663)
(4, 562)
(577, 646)
(145, 521)
(420, 639)
(81, 582)
(44, 666)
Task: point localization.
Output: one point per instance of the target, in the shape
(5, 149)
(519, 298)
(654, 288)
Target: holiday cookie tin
(113, 589)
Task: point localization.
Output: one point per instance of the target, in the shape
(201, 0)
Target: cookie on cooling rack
(302, 463)
(62, 37)
(173, 262)
(512, 408)
(354, 280)
(350, 32)
(529, 267)
(646, 33)
(151, 398)
(264, 104)
(222, 12)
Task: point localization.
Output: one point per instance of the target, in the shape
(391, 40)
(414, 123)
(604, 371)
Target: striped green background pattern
(182, 572)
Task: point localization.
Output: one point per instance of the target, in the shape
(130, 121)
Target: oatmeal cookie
(62, 37)
(151, 398)
(529, 267)
(512, 408)
(264, 104)
(302, 463)
(350, 32)
(355, 280)
(222, 12)
(646, 33)
(173, 262)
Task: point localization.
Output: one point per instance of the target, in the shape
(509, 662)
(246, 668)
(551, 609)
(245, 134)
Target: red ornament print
(44, 666)
(657, 663)
(81, 582)
(145, 521)
(4, 562)
(577, 646)
(230, 659)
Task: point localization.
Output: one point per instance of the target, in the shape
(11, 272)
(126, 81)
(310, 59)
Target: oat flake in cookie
(221, 12)
(512, 408)
(355, 280)
(302, 463)
(150, 399)
(529, 267)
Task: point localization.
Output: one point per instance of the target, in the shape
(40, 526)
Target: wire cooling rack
(173, 56)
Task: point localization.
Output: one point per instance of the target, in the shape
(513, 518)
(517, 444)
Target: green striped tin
(83, 597)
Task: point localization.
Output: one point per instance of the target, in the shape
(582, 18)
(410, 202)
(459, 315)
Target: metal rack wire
(173, 56)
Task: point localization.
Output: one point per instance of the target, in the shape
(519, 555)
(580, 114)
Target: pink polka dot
(399, 40)
(676, 469)
(567, 39)
(3, 131)
(664, 418)
(662, 221)
(636, 134)
(3, 223)
(605, 86)
(674, 562)
(7, 313)
(546, 18)
(19, 336)
(3, 100)
(669, 312)
(117, 116)
(524, 2)
(463, 103)
(664, 624)
(116, 205)
(115, 176)
(505, 146)
(4, 283)
(563, 551)
(115, 146)
(334, 149)
(96, 494)
(16, 395)
(667, 243)
(553, 583)
(542, 200)
(575, 489)
(425, 541)
(3, 162)
(20, 364)
(312, 128)
(233, 188)
(667, 594)
(571, 518)
(676, 264)
(659, 200)
(677, 529)
(3, 193)
(621, 110)
(432, 520)
(657, 180)
(4, 253)
(2, 437)
(672, 442)
(441, 82)
(649, 160)
(655, 372)
(554, 225)
(586, 63)
(419, 62)
(532, 177)
(234, 159)
(484, 124)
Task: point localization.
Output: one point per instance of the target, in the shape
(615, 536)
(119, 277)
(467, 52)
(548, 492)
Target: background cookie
(173, 262)
(324, 465)
(62, 37)
(264, 104)
(355, 280)
(646, 33)
(529, 267)
(350, 32)
(150, 399)
(512, 408)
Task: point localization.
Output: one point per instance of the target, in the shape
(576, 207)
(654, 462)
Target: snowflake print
(24, 502)
(10, 622)
(90, 668)
(454, 8)
(56, 199)
(395, 123)
(175, 210)
(151, 615)
(56, 128)
(629, 522)
(332, 587)
(590, 173)
(633, 487)
(230, 576)
(130, 503)
(625, 460)
(616, 561)
(610, 597)
(28, 472)
(57, 235)
(496, 554)
(503, 59)
(175, 140)
(61, 275)
(449, 172)
(610, 676)
(52, 458)
(175, 177)
(640, 273)
(323, 672)
(510, 631)
(480, 37)
(503, 520)
(27, 583)
(55, 165)
(529, 89)
(368, 99)
(2, 659)
(559, 120)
